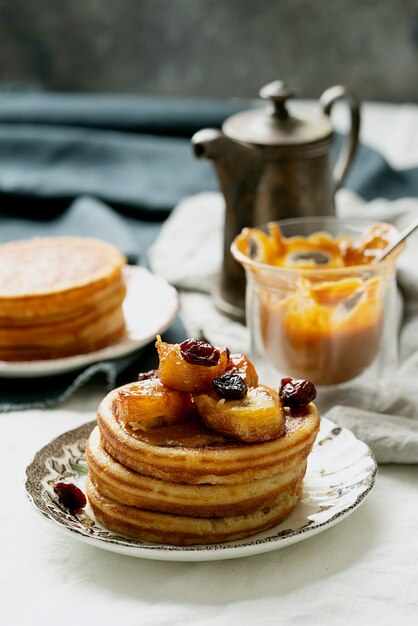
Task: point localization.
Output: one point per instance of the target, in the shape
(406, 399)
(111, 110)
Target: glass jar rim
(386, 264)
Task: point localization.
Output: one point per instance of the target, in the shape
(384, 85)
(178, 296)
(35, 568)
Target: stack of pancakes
(184, 484)
(59, 296)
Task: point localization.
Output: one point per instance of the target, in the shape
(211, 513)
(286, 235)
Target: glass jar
(329, 325)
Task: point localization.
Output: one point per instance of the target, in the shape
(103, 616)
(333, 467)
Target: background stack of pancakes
(58, 297)
(184, 484)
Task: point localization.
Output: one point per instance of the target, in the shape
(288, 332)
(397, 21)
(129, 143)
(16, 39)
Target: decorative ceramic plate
(150, 307)
(341, 472)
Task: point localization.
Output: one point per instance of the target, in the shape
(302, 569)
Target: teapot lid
(274, 126)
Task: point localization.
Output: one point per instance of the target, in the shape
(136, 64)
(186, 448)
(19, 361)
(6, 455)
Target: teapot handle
(327, 101)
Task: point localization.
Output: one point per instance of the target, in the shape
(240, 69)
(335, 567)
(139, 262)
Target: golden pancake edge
(59, 296)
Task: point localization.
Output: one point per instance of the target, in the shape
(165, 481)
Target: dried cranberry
(198, 352)
(296, 394)
(148, 375)
(230, 386)
(70, 496)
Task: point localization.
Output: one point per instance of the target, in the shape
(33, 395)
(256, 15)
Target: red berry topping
(297, 394)
(148, 375)
(70, 496)
(198, 352)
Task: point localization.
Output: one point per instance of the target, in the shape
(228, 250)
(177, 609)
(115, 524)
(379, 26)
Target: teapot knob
(278, 92)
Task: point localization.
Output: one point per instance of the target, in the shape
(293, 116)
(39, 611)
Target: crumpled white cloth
(188, 254)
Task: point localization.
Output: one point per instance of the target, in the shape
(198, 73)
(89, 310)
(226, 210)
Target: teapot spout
(207, 142)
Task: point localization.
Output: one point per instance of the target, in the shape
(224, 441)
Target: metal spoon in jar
(348, 304)
(402, 236)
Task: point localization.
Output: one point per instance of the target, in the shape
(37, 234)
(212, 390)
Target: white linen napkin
(188, 253)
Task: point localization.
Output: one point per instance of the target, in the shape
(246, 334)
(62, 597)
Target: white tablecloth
(361, 571)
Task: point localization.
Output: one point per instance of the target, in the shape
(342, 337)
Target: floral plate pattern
(341, 472)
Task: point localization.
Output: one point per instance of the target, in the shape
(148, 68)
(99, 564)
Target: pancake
(184, 530)
(183, 484)
(160, 470)
(97, 335)
(189, 452)
(55, 265)
(80, 329)
(79, 304)
(116, 482)
(59, 296)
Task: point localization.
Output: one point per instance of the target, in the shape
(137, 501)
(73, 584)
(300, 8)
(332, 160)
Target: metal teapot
(272, 164)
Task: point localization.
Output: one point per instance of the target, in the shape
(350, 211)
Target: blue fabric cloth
(114, 167)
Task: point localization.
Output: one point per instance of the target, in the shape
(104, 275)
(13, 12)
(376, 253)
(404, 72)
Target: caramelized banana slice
(148, 404)
(240, 364)
(178, 373)
(258, 416)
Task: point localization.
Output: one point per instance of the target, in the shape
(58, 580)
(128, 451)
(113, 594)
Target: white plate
(341, 472)
(150, 307)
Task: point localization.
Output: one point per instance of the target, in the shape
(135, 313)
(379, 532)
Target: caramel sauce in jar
(324, 344)
(321, 318)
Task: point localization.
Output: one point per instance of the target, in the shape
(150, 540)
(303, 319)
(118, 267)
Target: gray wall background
(215, 48)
